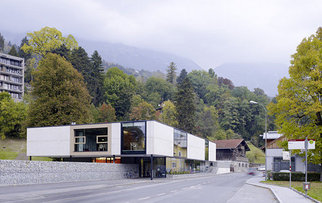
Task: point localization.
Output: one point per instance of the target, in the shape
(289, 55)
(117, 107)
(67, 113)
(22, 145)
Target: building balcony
(11, 90)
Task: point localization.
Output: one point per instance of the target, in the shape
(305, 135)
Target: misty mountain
(254, 75)
(137, 58)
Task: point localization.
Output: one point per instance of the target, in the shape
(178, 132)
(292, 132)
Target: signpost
(290, 168)
(302, 144)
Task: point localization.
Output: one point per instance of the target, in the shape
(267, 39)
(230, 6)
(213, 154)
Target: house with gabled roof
(231, 155)
(234, 149)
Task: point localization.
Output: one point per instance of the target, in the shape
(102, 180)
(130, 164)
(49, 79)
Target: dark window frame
(145, 138)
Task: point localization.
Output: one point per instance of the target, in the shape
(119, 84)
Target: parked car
(251, 171)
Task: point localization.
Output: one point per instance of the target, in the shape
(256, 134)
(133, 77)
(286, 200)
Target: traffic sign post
(302, 144)
(290, 168)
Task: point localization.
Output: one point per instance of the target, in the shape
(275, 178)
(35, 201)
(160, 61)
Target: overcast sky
(210, 32)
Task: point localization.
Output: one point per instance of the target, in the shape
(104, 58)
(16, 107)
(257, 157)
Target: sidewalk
(283, 194)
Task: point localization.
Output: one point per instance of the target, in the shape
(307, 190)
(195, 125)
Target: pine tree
(183, 75)
(63, 51)
(81, 62)
(13, 51)
(1, 42)
(171, 73)
(21, 53)
(97, 79)
(185, 103)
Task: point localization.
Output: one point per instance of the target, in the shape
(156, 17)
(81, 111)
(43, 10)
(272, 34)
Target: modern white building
(12, 76)
(154, 146)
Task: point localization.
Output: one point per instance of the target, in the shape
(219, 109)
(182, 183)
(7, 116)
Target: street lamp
(254, 102)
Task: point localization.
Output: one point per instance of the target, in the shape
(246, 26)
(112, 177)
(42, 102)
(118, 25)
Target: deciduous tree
(299, 103)
(12, 116)
(119, 89)
(169, 114)
(106, 113)
(47, 39)
(60, 95)
(144, 111)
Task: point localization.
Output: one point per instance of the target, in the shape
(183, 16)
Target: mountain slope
(137, 58)
(254, 75)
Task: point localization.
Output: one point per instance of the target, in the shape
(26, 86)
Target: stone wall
(31, 172)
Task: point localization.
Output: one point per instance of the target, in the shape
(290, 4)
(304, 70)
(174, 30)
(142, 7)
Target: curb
(266, 187)
(308, 197)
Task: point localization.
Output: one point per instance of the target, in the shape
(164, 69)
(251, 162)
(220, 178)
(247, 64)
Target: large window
(180, 143)
(207, 150)
(91, 140)
(133, 137)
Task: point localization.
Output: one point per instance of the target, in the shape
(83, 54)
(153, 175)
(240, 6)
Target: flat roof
(271, 135)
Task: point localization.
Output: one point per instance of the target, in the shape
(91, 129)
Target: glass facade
(207, 150)
(91, 139)
(180, 143)
(133, 138)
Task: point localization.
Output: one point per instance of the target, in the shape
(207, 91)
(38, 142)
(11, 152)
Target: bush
(296, 176)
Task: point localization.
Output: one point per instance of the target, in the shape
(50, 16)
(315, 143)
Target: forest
(65, 84)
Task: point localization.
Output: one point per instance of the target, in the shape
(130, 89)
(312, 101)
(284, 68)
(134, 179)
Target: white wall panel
(196, 148)
(116, 138)
(212, 151)
(159, 139)
(48, 141)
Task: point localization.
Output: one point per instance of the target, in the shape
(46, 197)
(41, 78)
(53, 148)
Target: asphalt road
(219, 188)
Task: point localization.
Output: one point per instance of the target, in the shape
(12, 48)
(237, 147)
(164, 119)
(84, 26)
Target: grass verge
(8, 155)
(315, 191)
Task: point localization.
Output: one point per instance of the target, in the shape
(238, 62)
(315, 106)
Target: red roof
(229, 144)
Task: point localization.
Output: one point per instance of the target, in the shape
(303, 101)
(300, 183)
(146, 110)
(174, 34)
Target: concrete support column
(151, 167)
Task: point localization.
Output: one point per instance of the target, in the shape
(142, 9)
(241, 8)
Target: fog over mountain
(254, 75)
(137, 58)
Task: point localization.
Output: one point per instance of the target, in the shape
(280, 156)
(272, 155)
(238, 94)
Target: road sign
(300, 144)
(286, 155)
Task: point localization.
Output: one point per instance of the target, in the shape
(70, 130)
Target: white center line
(144, 198)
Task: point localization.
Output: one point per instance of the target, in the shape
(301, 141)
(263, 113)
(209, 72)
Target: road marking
(144, 198)
(161, 194)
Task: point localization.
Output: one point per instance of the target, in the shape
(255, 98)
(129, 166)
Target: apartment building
(12, 76)
(155, 147)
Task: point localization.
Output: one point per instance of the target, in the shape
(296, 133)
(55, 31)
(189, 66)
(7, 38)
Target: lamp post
(254, 102)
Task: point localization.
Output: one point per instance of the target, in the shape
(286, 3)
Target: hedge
(296, 176)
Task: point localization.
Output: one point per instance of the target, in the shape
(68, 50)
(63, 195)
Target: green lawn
(315, 192)
(255, 155)
(9, 155)
(10, 148)
(38, 158)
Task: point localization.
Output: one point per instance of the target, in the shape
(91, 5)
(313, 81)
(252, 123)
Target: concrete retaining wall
(31, 172)
(236, 166)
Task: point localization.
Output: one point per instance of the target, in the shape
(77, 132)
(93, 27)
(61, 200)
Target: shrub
(296, 176)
